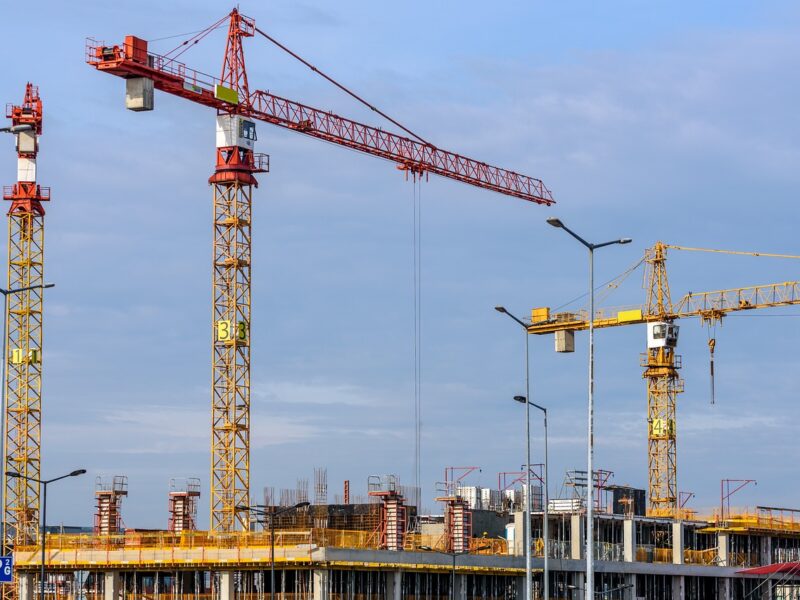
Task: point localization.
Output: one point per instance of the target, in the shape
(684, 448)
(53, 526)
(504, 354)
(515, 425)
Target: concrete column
(112, 585)
(677, 543)
(579, 581)
(766, 551)
(629, 540)
(722, 550)
(723, 588)
(321, 584)
(227, 587)
(394, 583)
(461, 587)
(678, 587)
(519, 535)
(766, 559)
(25, 581)
(576, 546)
(520, 583)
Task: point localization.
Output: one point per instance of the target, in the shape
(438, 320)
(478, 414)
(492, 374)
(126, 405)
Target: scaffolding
(183, 498)
(393, 518)
(109, 495)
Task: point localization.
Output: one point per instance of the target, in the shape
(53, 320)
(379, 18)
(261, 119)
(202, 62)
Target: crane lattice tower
(23, 343)
(663, 386)
(233, 183)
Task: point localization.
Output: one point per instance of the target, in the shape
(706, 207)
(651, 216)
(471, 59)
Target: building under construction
(376, 544)
(382, 549)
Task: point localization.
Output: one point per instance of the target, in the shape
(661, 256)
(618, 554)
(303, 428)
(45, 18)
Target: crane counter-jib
(133, 62)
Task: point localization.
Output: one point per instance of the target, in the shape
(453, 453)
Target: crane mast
(663, 386)
(23, 343)
(233, 181)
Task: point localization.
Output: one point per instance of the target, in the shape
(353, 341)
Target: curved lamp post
(557, 223)
(44, 483)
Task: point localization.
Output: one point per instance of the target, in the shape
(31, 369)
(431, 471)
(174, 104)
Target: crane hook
(711, 343)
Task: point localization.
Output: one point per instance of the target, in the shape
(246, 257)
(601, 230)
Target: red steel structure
(237, 107)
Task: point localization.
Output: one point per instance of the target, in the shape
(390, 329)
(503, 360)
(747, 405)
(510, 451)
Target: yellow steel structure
(661, 364)
(230, 410)
(23, 381)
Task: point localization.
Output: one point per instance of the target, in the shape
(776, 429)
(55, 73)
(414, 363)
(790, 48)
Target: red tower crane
(234, 176)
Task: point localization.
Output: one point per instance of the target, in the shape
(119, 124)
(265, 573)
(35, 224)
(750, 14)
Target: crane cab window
(659, 332)
(247, 130)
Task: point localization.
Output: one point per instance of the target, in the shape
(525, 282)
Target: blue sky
(658, 121)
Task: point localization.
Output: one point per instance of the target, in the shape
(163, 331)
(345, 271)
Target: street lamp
(272, 515)
(453, 555)
(546, 516)
(43, 520)
(527, 534)
(17, 128)
(527, 511)
(557, 223)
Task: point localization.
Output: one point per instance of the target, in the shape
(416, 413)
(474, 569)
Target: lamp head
(20, 128)
(302, 504)
(625, 241)
(500, 309)
(77, 472)
(12, 474)
(520, 399)
(555, 222)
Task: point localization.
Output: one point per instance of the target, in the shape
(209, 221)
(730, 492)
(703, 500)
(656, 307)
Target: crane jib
(131, 60)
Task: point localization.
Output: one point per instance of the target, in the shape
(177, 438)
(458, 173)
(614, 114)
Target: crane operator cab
(235, 130)
(662, 335)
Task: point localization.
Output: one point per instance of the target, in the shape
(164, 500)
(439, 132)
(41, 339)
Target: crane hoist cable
(712, 342)
(417, 260)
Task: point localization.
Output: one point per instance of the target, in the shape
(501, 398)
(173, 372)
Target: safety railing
(700, 557)
(489, 546)
(743, 559)
(609, 551)
(652, 554)
(240, 546)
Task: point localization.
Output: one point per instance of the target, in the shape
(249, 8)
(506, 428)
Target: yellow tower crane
(23, 343)
(660, 362)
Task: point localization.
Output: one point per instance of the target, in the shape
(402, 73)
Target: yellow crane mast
(661, 363)
(23, 343)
